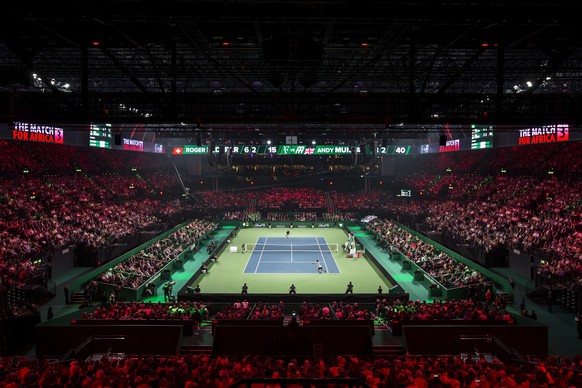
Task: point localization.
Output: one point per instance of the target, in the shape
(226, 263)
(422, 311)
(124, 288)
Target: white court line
(322, 256)
(286, 262)
(261, 255)
(260, 260)
(249, 259)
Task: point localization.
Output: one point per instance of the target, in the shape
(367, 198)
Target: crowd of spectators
(438, 264)
(314, 311)
(44, 212)
(181, 310)
(268, 311)
(277, 216)
(297, 198)
(59, 159)
(336, 216)
(122, 186)
(56, 197)
(461, 309)
(243, 310)
(351, 311)
(538, 217)
(139, 268)
(240, 309)
(242, 215)
(350, 202)
(229, 200)
(200, 370)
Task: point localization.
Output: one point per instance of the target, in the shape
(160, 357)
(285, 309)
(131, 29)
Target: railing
(481, 344)
(100, 344)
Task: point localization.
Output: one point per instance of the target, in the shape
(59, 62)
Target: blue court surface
(290, 255)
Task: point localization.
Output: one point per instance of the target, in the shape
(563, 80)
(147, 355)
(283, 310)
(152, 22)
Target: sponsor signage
(38, 133)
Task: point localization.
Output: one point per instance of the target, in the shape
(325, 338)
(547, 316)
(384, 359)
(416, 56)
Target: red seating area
(193, 370)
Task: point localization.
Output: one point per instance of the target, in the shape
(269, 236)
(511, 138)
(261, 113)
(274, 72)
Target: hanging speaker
(443, 140)
(198, 140)
(117, 138)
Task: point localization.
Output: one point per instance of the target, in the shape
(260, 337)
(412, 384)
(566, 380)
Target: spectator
(245, 289)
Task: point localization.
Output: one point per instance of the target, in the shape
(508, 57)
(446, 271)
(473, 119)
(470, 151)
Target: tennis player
(319, 266)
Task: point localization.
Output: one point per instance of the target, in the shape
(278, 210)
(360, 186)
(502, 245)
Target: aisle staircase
(386, 350)
(392, 350)
(77, 297)
(329, 203)
(506, 296)
(197, 349)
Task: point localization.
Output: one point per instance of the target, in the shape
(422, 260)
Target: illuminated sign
(481, 137)
(291, 149)
(100, 136)
(317, 150)
(192, 150)
(400, 150)
(159, 148)
(38, 133)
(451, 145)
(544, 134)
(132, 145)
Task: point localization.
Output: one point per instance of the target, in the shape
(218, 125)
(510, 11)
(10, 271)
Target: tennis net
(291, 247)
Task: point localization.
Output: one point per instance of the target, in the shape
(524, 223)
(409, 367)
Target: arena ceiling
(176, 66)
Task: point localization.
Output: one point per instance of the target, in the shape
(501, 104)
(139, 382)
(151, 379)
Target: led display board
(100, 136)
(37, 133)
(481, 137)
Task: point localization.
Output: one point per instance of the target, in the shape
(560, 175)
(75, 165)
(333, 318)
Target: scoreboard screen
(481, 136)
(289, 149)
(100, 136)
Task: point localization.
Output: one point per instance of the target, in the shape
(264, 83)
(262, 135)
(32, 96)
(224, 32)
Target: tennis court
(228, 274)
(291, 255)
